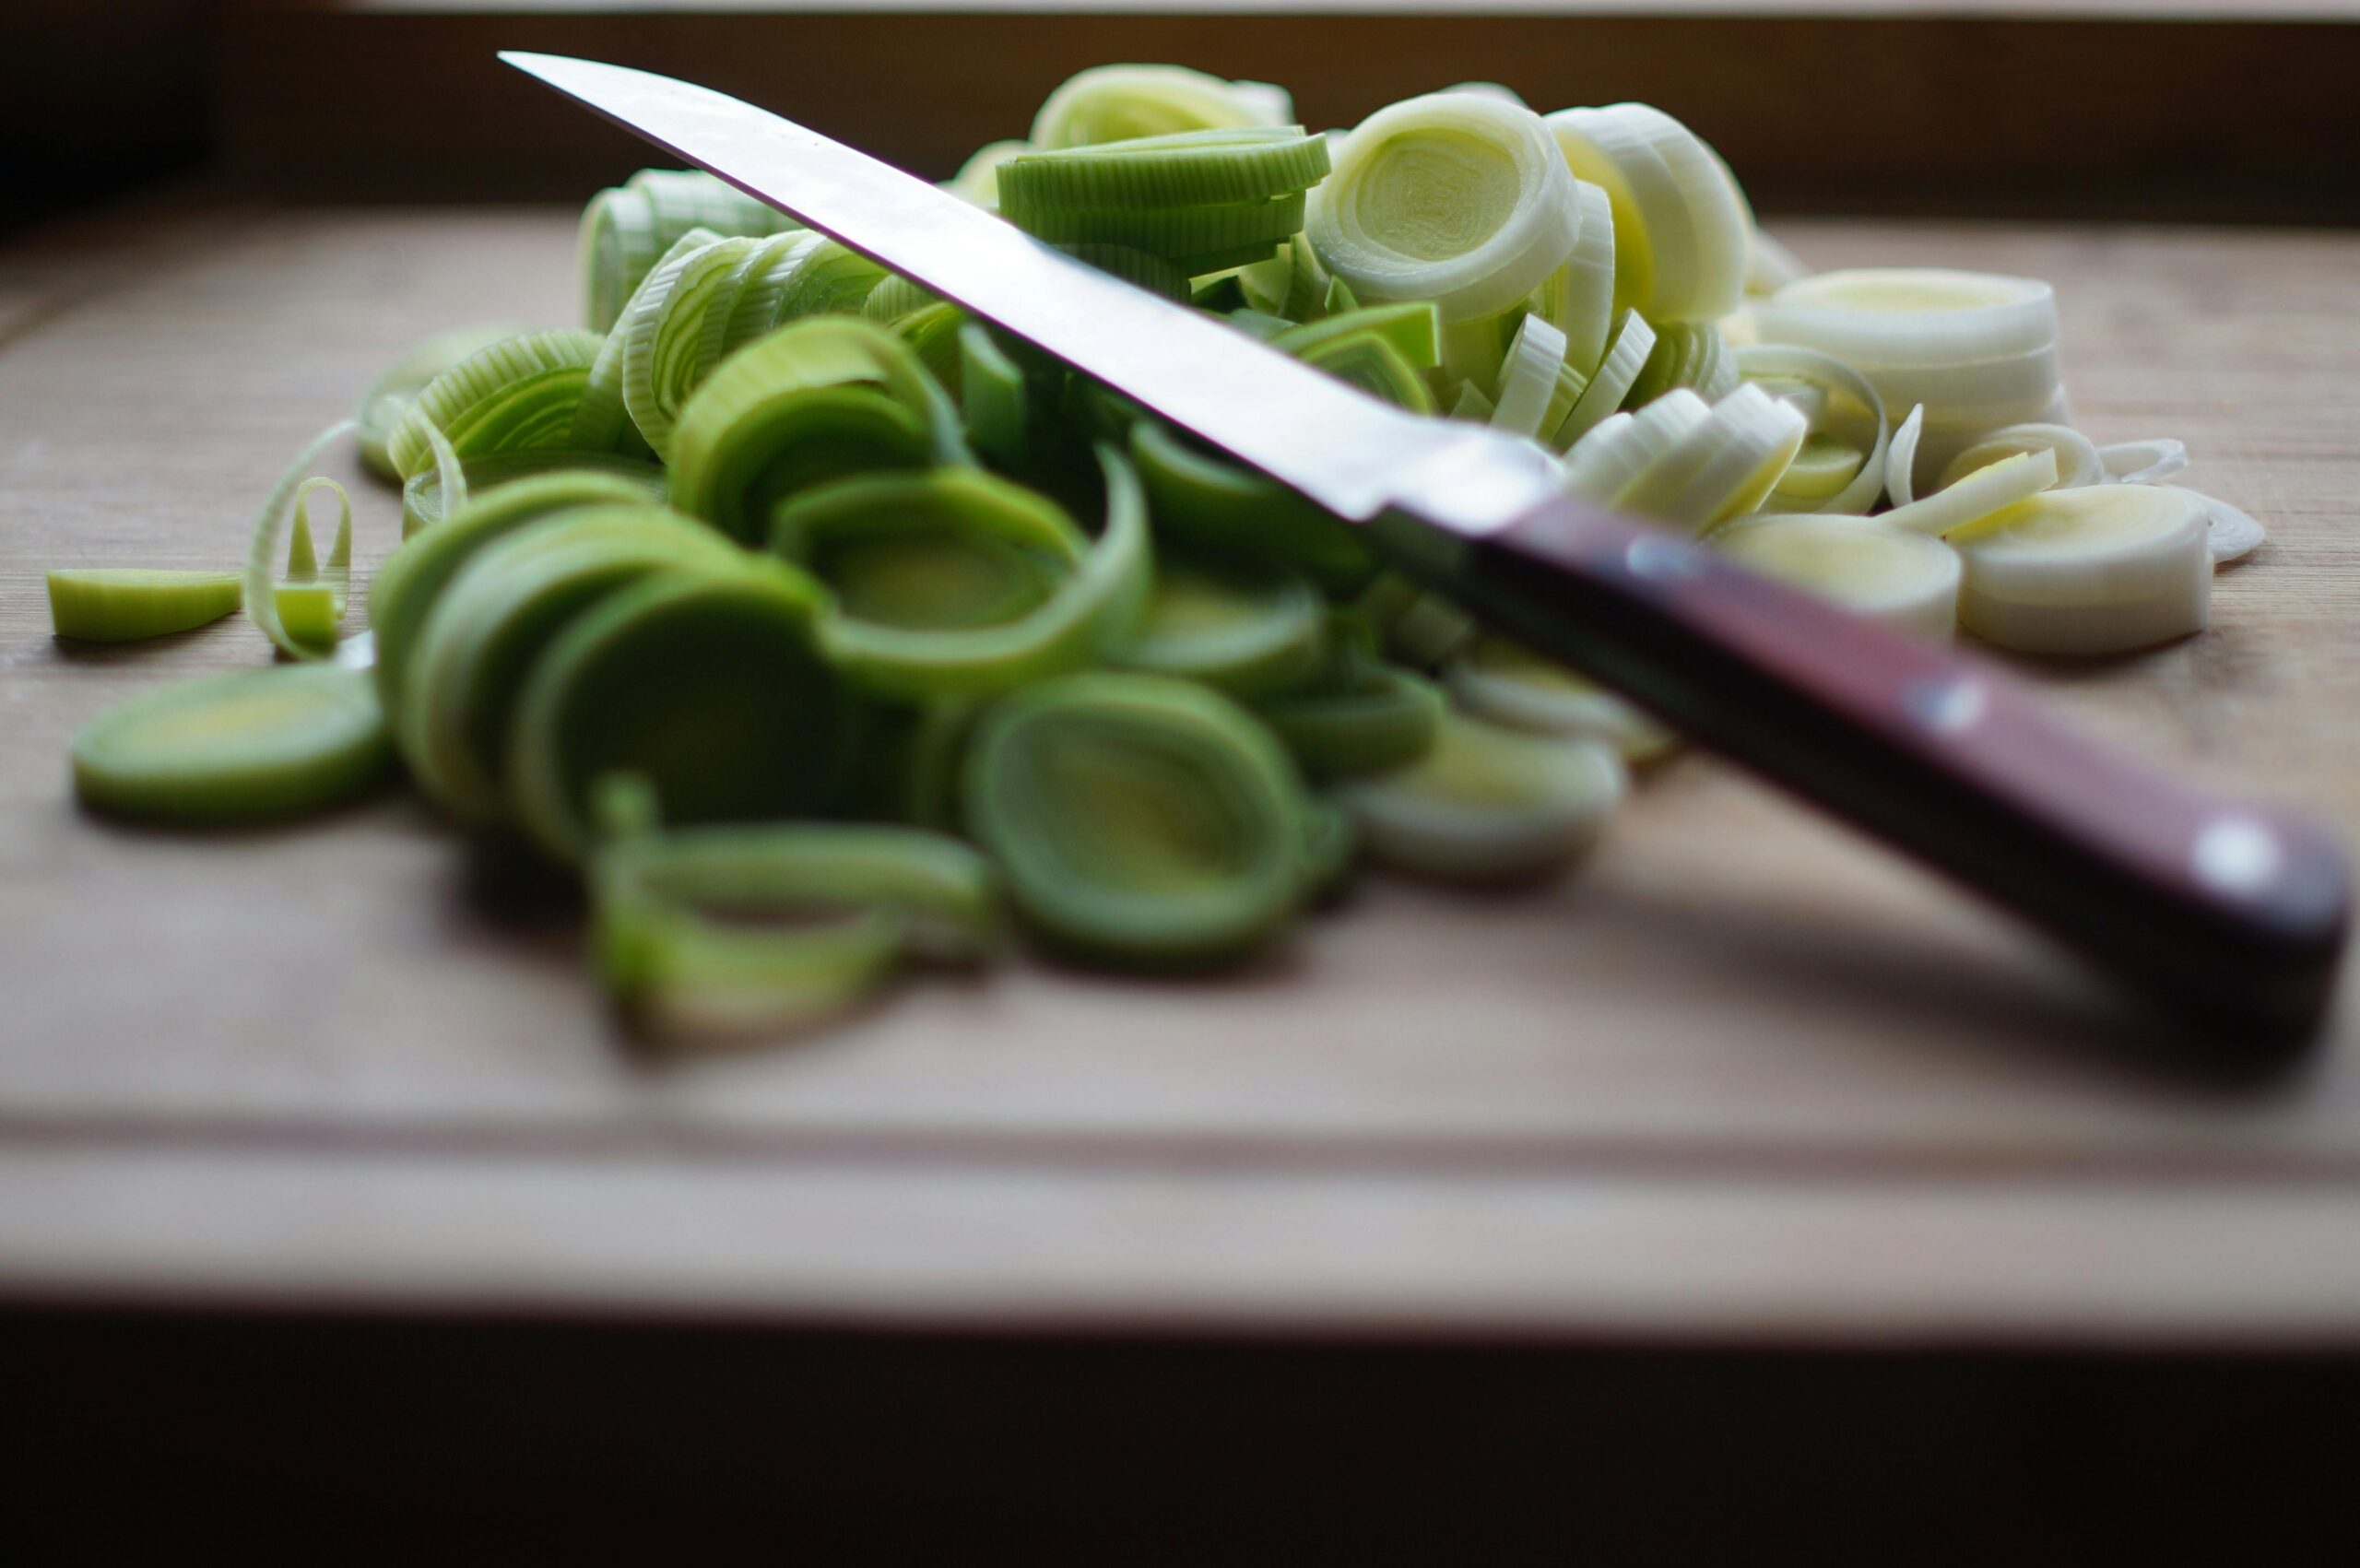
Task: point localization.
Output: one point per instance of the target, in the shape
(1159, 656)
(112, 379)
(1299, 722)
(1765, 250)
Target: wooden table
(1741, 1077)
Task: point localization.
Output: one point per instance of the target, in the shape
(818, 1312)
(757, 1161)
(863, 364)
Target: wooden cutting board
(1740, 1074)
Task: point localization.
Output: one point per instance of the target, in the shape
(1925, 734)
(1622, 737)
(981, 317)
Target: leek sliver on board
(816, 622)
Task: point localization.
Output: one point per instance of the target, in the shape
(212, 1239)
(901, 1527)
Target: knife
(2231, 917)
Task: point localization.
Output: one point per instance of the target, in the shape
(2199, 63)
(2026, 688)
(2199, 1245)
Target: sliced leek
(1214, 505)
(1690, 354)
(282, 508)
(1631, 342)
(2230, 534)
(1358, 715)
(119, 603)
(626, 230)
(249, 746)
(2143, 461)
(386, 402)
(1501, 679)
(1722, 467)
(2078, 459)
(1908, 581)
(2103, 569)
(1140, 819)
(1682, 229)
(309, 600)
(521, 391)
(1113, 103)
(1989, 489)
(1487, 804)
(1248, 632)
(1850, 419)
(422, 500)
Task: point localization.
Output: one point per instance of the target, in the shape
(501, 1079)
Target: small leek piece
(310, 599)
(1500, 680)
(1114, 103)
(1140, 819)
(1681, 226)
(1578, 297)
(1690, 354)
(114, 603)
(1628, 348)
(2100, 570)
(261, 594)
(712, 931)
(959, 584)
(387, 401)
(1605, 464)
(249, 746)
(814, 401)
(1908, 581)
(1246, 629)
(712, 687)
(1487, 804)
(1220, 508)
(1452, 197)
(1203, 168)
(423, 505)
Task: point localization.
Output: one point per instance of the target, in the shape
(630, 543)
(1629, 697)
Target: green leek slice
(1220, 508)
(248, 746)
(1500, 680)
(1487, 804)
(118, 604)
(1140, 819)
(1245, 628)
(285, 503)
(1412, 329)
(712, 687)
(1358, 715)
(1370, 361)
(388, 398)
(422, 503)
(814, 401)
(1167, 231)
(1114, 103)
(310, 598)
(1192, 168)
(521, 391)
(1155, 274)
(673, 334)
(626, 230)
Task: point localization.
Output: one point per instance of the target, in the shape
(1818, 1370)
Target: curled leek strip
(1358, 715)
(310, 598)
(2143, 461)
(959, 584)
(1854, 412)
(414, 577)
(978, 181)
(1901, 459)
(260, 594)
(2078, 462)
(602, 420)
(1628, 348)
(248, 746)
(627, 229)
(1246, 629)
(673, 334)
(710, 686)
(1214, 505)
(521, 391)
(1116, 103)
(423, 505)
(1689, 354)
(1452, 197)
(386, 402)
(482, 640)
(2230, 534)
(1140, 819)
(1681, 227)
(1912, 317)
(814, 401)
(1990, 489)
(700, 931)
(1908, 581)
(114, 603)
(1487, 804)
(1503, 681)
(993, 398)
(2103, 569)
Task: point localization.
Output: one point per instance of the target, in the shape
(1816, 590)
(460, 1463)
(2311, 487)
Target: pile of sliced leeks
(828, 631)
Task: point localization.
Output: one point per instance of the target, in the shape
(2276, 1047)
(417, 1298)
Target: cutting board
(1738, 1074)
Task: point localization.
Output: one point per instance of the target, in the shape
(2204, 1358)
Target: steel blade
(1351, 453)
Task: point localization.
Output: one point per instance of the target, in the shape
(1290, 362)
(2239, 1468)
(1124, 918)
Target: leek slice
(116, 604)
(1681, 225)
(1221, 508)
(1140, 819)
(1201, 169)
(1611, 458)
(959, 584)
(673, 334)
(814, 401)
(1452, 197)
(1987, 489)
(978, 178)
(1358, 715)
(1721, 468)
(521, 391)
(1502, 680)
(1633, 340)
(1912, 316)
(722, 930)
(1469, 403)
(387, 401)
(2143, 461)
(1901, 459)
(1246, 629)
(414, 577)
(626, 230)
(1370, 361)
(2103, 569)
(1689, 354)
(1908, 581)
(1412, 329)
(309, 600)
(423, 506)
(261, 593)
(1168, 230)
(1529, 380)
(1850, 401)
(1114, 103)
(1578, 297)
(712, 687)
(509, 603)
(2230, 534)
(1487, 804)
(994, 402)
(248, 746)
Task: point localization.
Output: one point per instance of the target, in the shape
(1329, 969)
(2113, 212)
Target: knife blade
(2232, 917)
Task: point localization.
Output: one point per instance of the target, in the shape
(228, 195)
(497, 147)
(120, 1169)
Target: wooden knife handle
(2231, 916)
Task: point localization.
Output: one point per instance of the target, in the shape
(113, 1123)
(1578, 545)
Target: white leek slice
(1578, 298)
(1607, 462)
(1114, 103)
(1528, 377)
(2103, 569)
(1452, 197)
(2143, 461)
(1722, 467)
(1906, 580)
(2230, 534)
(1912, 316)
(1680, 227)
(1487, 804)
(1901, 459)
(1633, 340)
(1855, 407)
(1502, 681)
(1770, 265)
(2078, 461)
(1978, 495)
(1822, 471)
